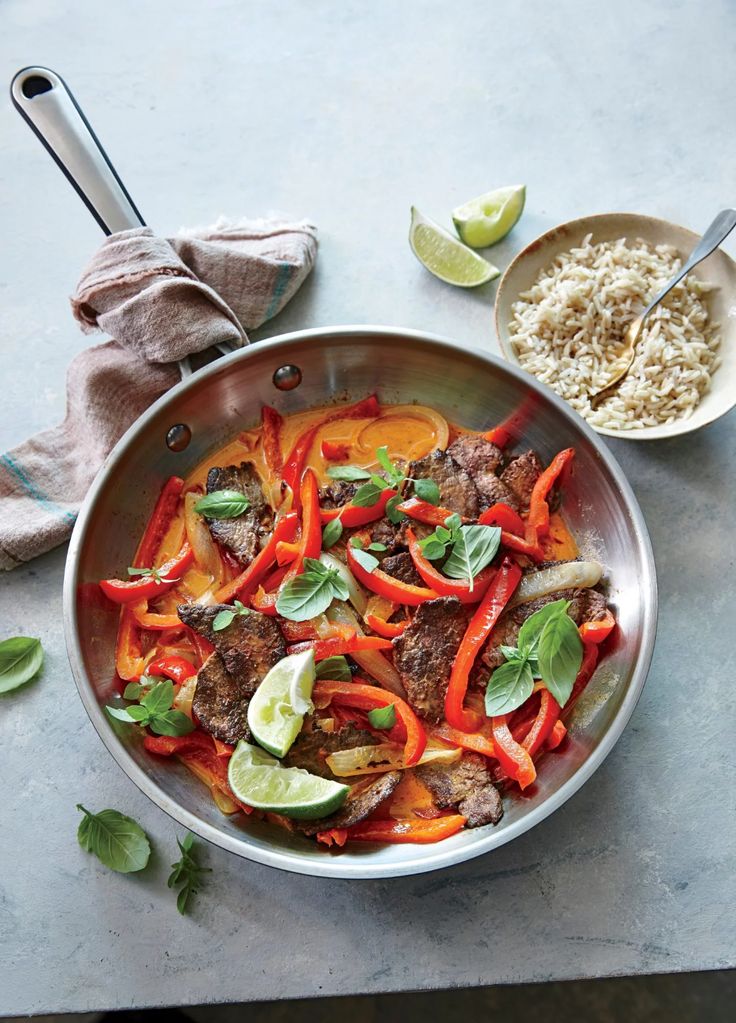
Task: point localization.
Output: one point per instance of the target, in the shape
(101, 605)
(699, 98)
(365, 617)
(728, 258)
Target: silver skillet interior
(341, 364)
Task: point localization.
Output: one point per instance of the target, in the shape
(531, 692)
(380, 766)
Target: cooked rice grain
(568, 331)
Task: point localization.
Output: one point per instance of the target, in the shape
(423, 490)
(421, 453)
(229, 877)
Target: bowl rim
(428, 857)
(676, 429)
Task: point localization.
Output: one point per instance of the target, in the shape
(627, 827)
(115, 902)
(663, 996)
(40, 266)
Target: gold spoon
(721, 227)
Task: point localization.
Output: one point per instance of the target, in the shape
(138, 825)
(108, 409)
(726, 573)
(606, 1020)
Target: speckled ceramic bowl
(718, 269)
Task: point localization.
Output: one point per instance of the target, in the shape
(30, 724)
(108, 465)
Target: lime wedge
(489, 218)
(276, 712)
(259, 780)
(445, 256)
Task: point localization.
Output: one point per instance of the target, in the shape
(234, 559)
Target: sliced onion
(569, 575)
(372, 661)
(183, 699)
(386, 756)
(358, 597)
(205, 550)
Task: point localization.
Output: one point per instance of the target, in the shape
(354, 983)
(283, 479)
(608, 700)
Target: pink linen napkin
(161, 299)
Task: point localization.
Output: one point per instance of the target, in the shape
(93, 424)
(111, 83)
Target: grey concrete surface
(348, 113)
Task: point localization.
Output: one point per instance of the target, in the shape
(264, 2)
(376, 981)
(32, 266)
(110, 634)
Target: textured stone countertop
(348, 113)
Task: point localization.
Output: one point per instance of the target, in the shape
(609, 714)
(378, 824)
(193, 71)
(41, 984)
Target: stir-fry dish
(362, 623)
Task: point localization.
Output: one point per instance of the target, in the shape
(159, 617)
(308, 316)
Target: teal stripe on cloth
(282, 279)
(33, 490)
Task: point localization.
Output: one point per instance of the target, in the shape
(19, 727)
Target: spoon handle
(719, 229)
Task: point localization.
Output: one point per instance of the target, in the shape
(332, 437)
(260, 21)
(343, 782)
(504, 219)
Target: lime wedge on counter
(259, 780)
(276, 712)
(445, 256)
(489, 218)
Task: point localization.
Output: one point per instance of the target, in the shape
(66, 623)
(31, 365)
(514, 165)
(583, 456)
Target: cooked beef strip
(466, 785)
(520, 475)
(219, 703)
(245, 651)
(457, 490)
(337, 493)
(481, 459)
(401, 567)
(360, 803)
(241, 535)
(424, 653)
(311, 749)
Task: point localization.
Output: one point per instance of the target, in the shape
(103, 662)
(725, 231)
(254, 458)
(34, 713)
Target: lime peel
(487, 219)
(276, 711)
(260, 781)
(445, 256)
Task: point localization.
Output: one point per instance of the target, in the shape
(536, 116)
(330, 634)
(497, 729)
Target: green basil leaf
(331, 533)
(348, 472)
(159, 698)
(335, 668)
(171, 722)
(356, 542)
(443, 534)
(511, 653)
(531, 630)
(316, 567)
(560, 656)
(383, 717)
(123, 714)
(132, 691)
(222, 620)
(392, 510)
(434, 549)
(473, 550)
(427, 490)
(305, 596)
(21, 658)
(222, 504)
(141, 571)
(453, 522)
(508, 687)
(386, 464)
(367, 495)
(365, 560)
(116, 840)
(375, 546)
(139, 714)
(340, 589)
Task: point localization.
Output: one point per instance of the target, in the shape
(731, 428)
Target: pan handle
(44, 101)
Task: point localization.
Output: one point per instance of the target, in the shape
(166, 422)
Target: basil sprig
(331, 533)
(393, 479)
(361, 555)
(151, 573)
(21, 658)
(154, 711)
(468, 549)
(383, 717)
(222, 504)
(550, 648)
(227, 617)
(116, 840)
(186, 872)
(311, 592)
(335, 668)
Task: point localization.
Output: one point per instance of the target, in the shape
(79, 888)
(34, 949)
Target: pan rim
(430, 857)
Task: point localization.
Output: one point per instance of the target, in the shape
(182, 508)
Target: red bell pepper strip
(286, 552)
(440, 583)
(146, 587)
(499, 435)
(368, 408)
(198, 749)
(310, 542)
(596, 632)
(178, 669)
(386, 586)
(590, 661)
(353, 515)
(129, 661)
(150, 620)
(362, 696)
(389, 630)
(519, 545)
(338, 646)
(425, 512)
(295, 632)
(514, 759)
(334, 451)
(223, 749)
(271, 424)
(538, 518)
(203, 646)
(476, 742)
(556, 736)
(245, 583)
(414, 830)
(481, 624)
(159, 523)
(547, 716)
(503, 515)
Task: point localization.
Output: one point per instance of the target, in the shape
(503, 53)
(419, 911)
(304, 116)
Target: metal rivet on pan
(286, 378)
(178, 437)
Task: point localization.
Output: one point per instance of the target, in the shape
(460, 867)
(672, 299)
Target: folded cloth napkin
(162, 300)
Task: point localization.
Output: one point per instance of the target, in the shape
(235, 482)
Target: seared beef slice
(241, 535)
(245, 651)
(520, 475)
(480, 459)
(457, 490)
(425, 651)
(466, 785)
(401, 567)
(311, 749)
(362, 800)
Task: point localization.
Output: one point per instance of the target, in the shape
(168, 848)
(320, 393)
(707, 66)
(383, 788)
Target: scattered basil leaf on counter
(224, 618)
(560, 656)
(510, 686)
(154, 710)
(473, 549)
(186, 872)
(350, 473)
(392, 509)
(21, 658)
(427, 490)
(335, 668)
(331, 533)
(222, 504)
(116, 840)
(383, 717)
(311, 593)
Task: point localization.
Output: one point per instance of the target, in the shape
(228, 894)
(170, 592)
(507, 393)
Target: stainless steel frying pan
(294, 372)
